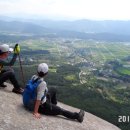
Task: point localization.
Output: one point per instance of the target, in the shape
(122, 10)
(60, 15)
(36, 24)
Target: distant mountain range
(86, 29)
(21, 27)
(89, 26)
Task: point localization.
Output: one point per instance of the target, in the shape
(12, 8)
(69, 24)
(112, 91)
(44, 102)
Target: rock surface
(13, 116)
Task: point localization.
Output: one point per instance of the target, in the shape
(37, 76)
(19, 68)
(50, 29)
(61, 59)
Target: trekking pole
(20, 63)
(21, 68)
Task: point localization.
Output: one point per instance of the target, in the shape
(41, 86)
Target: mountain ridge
(88, 26)
(81, 25)
(113, 31)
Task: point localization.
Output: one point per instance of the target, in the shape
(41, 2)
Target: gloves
(17, 49)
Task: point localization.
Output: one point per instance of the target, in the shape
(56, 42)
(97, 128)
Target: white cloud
(89, 9)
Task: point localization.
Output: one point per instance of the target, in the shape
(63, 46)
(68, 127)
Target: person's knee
(53, 90)
(10, 73)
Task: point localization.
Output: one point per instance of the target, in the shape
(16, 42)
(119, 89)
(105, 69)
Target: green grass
(52, 70)
(70, 77)
(124, 71)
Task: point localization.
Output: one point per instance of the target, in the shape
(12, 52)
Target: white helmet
(5, 48)
(43, 67)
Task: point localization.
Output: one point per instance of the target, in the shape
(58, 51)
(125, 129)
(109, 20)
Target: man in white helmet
(8, 74)
(48, 104)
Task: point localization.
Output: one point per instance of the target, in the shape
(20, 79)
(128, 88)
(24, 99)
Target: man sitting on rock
(8, 74)
(45, 101)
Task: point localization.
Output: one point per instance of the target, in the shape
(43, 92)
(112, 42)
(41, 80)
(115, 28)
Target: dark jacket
(7, 63)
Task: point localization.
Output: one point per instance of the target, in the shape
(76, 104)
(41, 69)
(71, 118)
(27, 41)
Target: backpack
(29, 94)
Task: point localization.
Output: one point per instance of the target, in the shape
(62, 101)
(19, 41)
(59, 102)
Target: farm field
(92, 50)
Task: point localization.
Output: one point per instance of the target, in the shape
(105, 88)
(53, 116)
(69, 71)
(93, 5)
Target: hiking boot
(18, 90)
(81, 116)
(3, 86)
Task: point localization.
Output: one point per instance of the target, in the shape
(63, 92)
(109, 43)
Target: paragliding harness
(29, 94)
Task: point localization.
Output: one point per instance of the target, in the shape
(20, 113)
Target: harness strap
(45, 93)
(34, 81)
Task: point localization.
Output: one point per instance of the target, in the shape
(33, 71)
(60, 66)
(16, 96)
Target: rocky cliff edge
(13, 116)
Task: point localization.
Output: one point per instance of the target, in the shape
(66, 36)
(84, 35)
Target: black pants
(9, 75)
(50, 107)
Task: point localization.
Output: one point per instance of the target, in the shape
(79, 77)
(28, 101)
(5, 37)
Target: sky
(67, 9)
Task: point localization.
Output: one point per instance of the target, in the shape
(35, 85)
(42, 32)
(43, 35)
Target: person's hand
(37, 115)
(17, 49)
